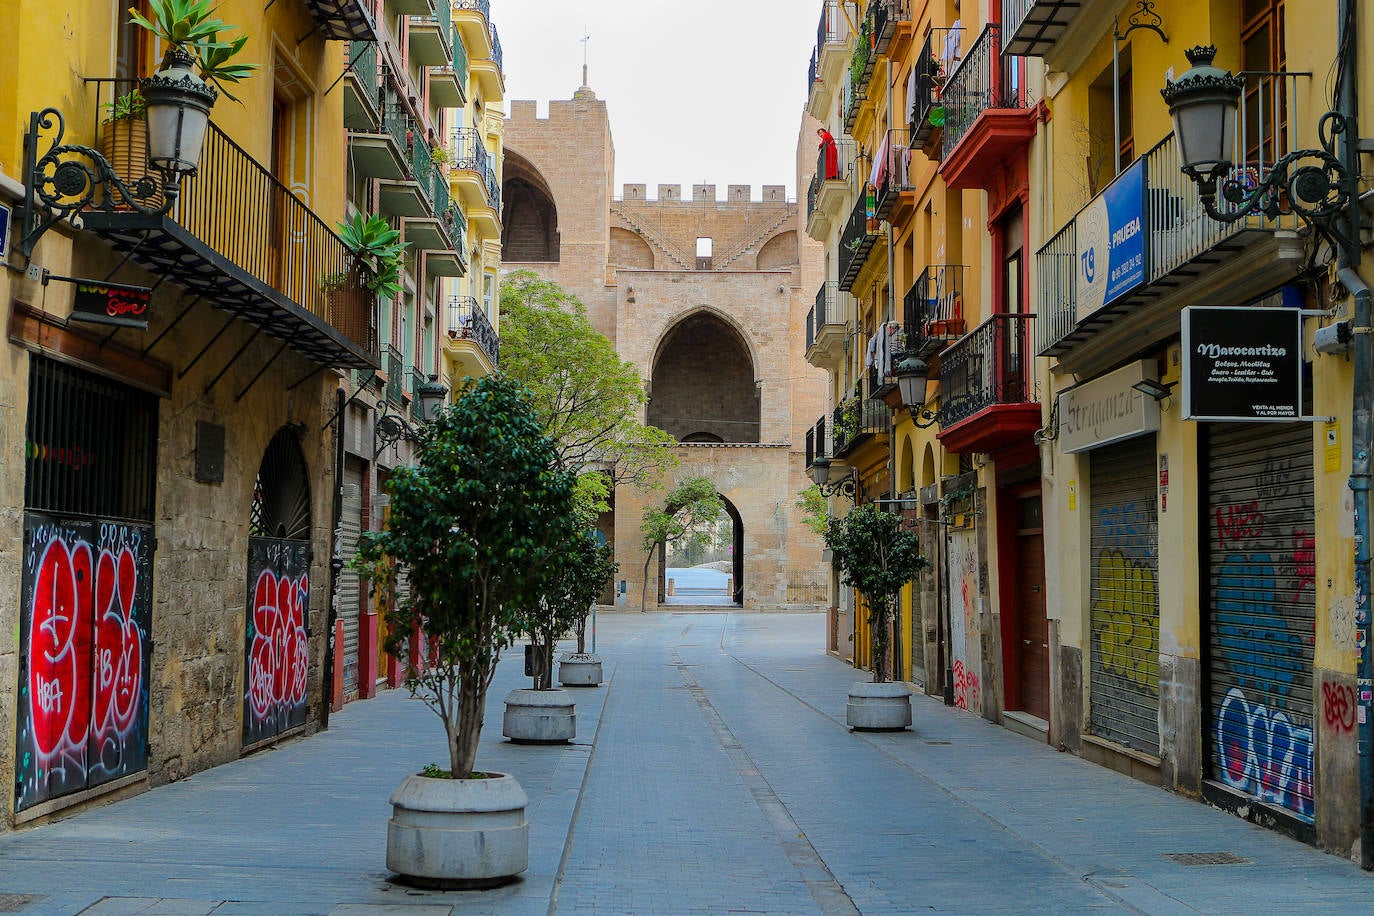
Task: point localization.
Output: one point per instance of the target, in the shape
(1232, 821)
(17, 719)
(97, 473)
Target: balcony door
(1012, 341)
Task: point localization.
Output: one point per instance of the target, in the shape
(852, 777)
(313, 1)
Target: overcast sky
(706, 91)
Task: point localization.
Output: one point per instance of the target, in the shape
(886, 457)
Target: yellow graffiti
(1126, 619)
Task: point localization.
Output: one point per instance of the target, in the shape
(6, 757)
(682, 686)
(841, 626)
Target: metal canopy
(165, 248)
(1043, 25)
(343, 20)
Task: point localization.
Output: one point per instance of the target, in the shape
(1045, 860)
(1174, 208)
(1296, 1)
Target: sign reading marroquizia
(1242, 363)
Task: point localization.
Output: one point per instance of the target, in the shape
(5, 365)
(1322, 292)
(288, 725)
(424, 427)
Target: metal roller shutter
(352, 523)
(1262, 603)
(1124, 676)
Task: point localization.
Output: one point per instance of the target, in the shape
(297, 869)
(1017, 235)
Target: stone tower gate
(716, 328)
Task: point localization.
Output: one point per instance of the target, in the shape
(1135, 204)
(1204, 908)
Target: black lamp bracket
(67, 179)
(390, 429)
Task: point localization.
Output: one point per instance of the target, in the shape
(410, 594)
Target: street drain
(940, 743)
(1207, 858)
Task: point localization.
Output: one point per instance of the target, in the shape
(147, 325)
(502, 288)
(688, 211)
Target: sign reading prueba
(1242, 363)
(1111, 242)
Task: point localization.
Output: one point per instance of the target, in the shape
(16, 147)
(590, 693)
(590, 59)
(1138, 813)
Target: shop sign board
(111, 303)
(1242, 363)
(1111, 242)
(1107, 409)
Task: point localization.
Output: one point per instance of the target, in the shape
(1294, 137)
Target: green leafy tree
(577, 576)
(588, 398)
(692, 506)
(478, 521)
(877, 555)
(815, 509)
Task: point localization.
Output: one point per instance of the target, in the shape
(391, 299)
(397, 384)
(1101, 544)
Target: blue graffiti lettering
(1264, 754)
(1256, 644)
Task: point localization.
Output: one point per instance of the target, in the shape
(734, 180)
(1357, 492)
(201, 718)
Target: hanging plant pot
(179, 104)
(936, 116)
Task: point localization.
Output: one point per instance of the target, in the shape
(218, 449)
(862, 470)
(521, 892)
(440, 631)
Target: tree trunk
(644, 592)
(580, 628)
(462, 740)
(880, 620)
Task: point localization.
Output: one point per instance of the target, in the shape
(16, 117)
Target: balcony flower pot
(540, 716)
(579, 669)
(458, 833)
(949, 327)
(123, 141)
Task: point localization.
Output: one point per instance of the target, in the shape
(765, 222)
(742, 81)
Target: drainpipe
(898, 668)
(335, 559)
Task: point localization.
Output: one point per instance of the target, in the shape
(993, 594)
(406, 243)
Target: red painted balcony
(987, 398)
(989, 116)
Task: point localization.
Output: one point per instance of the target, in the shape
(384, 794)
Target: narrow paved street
(711, 774)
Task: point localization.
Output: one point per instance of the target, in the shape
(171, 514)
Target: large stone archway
(703, 385)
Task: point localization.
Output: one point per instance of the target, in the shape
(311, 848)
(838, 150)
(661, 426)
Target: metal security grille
(1124, 697)
(352, 522)
(91, 444)
(1261, 554)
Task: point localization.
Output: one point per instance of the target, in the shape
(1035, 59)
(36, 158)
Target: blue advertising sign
(1111, 241)
(4, 232)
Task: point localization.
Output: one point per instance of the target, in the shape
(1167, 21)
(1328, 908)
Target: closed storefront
(351, 520)
(1124, 675)
(1260, 625)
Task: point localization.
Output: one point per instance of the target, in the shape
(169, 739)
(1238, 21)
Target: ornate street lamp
(391, 428)
(912, 374)
(178, 105)
(820, 473)
(431, 395)
(1313, 183)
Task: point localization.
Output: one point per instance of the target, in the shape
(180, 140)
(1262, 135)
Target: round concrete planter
(579, 669)
(878, 707)
(539, 717)
(458, 832)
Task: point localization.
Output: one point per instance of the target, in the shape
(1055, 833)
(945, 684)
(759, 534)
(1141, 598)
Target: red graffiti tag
(1304, 560)
(118, 644)
(967, 689)
(59, 643)
(1338, 706)
(1239, 522)
(278, 657)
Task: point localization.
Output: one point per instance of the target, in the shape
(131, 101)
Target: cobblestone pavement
(712, 773)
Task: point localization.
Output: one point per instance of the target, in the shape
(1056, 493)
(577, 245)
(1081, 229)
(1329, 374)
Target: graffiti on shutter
(1262, 611)
(352, 522)
(1124, 675)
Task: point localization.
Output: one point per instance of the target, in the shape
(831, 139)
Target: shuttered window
(352, 523)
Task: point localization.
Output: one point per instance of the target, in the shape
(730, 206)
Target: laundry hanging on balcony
(886, 344)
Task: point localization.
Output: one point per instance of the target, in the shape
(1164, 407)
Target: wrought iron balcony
(1180, 240)
(892, 173)
(928, 79)
(342, 20)
(481, 6)
(858, 419)
(431, 37)
(987, 397)
(885, 18)
(362, 96)
(243, 241)
(818, 444)
(395, 375)
(417, 378)
(467, 321)
(826, 58)
(826, 324)
(829, 186)
(989, 115)
(496, 54)
(859, 236)
(934, 308)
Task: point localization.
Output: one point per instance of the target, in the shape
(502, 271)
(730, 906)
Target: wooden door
(1031, 626)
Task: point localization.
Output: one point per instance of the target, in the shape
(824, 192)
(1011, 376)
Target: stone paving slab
(712, 773)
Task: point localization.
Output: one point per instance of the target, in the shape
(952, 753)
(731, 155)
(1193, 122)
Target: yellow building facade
(1113, 573)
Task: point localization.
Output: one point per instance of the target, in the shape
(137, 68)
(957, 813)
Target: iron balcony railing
(813, 193)
(456, 223)
(817, 443)
(365, 63)
(891, 170)
(851, 97)
(859, 236)
(394, 361)
(467, 321)
(467, 150)
(985, 79)
(496, 54)
(858, 419)
(417, 378)
(831, 33)
(934, 309)
(845, 149)
(443, 18)
(1176, 228)
(396, 120)
(460, 54)
(422, 168)
(988, 367)
(493, 187)
(813, 72)
(923, 100)
(883, 15)
(830, 308)
(482, 6)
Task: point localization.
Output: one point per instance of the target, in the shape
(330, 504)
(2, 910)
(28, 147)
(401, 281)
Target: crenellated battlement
(562, 112)
(773, 194)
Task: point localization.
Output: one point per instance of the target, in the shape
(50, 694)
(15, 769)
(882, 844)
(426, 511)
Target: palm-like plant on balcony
(192, 35)
(124, 141)
(377, 254)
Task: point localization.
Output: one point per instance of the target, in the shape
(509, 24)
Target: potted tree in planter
(877, 555)
(546, 714)
(596, 568)
(476, 522)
